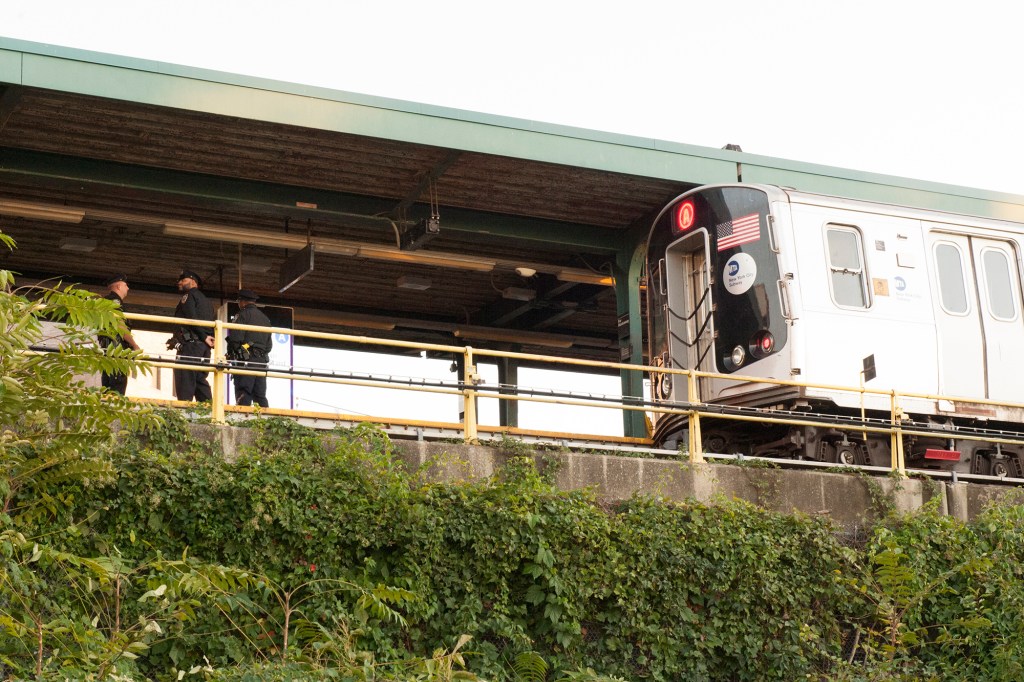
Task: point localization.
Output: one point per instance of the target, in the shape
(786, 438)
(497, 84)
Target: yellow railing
(471, 387)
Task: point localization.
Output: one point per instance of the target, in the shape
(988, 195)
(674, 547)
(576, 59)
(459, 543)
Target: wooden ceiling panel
(385, 171)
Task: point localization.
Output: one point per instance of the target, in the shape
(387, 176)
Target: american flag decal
(739, 231)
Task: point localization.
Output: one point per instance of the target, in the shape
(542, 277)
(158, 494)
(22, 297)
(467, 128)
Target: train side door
(998, 282)
(978, 320)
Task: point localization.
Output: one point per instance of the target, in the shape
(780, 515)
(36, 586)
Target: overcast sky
(928, 90)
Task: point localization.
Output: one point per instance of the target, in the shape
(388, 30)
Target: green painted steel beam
(628, 269)
(281, 199)
(160, 84)
(156, 83)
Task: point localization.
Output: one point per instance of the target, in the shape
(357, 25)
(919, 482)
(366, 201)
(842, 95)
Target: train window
(950, 268)
(998, 285)
(846, 263)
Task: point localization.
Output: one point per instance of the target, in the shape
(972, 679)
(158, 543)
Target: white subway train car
(761, 281)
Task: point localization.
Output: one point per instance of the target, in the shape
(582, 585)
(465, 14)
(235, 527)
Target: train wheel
(848, 454)
(996, 463)
(1001, 467)
(714, 443)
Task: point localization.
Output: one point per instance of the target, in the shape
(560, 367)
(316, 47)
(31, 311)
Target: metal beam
(278, 199)
(583, 296)
(508, 375)
(193, 89)
(628, 270)
(430, 176)
(502, 312)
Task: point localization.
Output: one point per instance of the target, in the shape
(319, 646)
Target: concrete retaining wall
(852, 500)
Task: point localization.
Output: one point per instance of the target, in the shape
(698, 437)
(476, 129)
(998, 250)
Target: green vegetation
(148, 556)
(355, 569)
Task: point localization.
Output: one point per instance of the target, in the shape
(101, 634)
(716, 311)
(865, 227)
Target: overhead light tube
(585, 277)
(235, 235)
(57, 214)
(443, 260)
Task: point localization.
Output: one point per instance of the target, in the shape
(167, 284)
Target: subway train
(759, 281)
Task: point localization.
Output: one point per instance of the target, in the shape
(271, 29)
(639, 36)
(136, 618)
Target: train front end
(716, 299)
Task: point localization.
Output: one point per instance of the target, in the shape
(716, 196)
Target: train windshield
(722, 232)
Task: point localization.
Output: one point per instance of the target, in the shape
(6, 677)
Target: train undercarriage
(960, 445)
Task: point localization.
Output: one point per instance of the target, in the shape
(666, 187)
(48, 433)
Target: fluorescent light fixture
(235, 235)
(584, 277)
(338, 247)
(518, 294)
(78, 244)
(57, 214)
(414, 283)
(441, 260)
(514, 336)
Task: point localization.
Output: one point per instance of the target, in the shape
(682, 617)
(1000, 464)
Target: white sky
(923, 89)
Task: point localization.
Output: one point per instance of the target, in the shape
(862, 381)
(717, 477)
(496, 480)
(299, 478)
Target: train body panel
(756, 281)
(878, 309)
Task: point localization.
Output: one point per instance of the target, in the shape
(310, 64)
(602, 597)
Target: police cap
(114, 279)
(247, 295)
(191, 274)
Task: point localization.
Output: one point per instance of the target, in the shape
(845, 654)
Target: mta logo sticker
(739, 274)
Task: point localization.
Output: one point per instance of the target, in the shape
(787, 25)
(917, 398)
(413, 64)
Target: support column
(628, 268)
(508, 374)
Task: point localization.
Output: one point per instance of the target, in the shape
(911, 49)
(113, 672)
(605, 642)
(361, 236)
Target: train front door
(978, 317)
(691, 329)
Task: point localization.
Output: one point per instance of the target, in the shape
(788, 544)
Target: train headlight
(738, 356)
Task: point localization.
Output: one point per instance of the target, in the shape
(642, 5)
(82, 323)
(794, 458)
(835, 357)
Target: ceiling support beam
(429, 177)
(22, 165)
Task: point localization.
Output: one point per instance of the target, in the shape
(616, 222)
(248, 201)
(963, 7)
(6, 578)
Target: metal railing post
(469, 397)
(219, 386)
(896, 415)
(696, 453)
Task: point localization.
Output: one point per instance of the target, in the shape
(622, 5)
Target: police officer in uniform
(193, 343)
(117, 290)
(250, 349)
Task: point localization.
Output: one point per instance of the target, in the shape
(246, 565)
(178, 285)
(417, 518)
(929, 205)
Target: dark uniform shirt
(194, 306)
(259, 342)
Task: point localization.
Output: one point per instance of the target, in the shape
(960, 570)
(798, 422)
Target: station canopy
(426, 224)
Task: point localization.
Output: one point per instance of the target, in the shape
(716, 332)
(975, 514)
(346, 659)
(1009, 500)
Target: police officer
(250, 349)
(193, 343)
(117, 290)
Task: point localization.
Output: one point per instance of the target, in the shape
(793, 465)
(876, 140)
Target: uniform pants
(189, 384)
(251, 389)
(115, 382)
